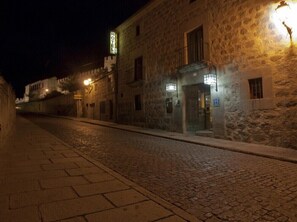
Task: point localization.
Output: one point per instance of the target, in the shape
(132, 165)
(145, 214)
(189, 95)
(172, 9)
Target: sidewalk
(278, 153)
(43, 179)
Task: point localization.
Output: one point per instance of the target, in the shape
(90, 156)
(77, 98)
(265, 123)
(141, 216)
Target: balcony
(135, 80)
(191, 59)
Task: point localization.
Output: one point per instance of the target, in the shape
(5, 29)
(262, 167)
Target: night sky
(45, 38)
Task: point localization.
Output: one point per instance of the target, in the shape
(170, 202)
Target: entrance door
(197, 107)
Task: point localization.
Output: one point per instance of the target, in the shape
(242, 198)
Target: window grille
(256, 88)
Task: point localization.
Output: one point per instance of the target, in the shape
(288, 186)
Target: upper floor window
(137, 30)
(137, 102)
(256, 88)
(138, 69)
(195, 45)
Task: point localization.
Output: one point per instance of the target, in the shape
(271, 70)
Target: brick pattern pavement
(42, 179)
(212, 184)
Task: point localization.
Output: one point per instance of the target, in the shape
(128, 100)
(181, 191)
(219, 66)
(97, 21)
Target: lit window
(256, 88)
(137, 102)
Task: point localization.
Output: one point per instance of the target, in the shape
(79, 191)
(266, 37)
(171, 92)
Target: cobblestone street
(212, 184)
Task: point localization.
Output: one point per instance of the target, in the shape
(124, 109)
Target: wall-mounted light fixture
(284, 13)
(211, 77)
(88, 83)
(170, 87)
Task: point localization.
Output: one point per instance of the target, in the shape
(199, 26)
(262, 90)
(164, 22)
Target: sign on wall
(216, 102)
(113, 43)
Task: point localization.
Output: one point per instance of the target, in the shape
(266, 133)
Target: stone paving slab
(84, 171)
(94, 178)
(12, 187)
(75, 219)
(28, 214)
(100, 188)
(75, 207)
(43, 179)
(40, 197)
(62, 182)
(59, 166)
(125, 197)
(145, 211)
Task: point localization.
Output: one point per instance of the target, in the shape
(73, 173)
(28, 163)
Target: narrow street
(212, 184)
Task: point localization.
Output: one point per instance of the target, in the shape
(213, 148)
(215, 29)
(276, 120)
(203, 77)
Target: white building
(40, 89)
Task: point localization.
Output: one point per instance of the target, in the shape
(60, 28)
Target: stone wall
(64, 105)
(7, 110)
(242, 39)
(161, 41)
(246, 43)
(99, 98)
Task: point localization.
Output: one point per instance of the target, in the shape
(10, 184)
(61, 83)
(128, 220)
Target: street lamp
(284, 14)
(88, 83)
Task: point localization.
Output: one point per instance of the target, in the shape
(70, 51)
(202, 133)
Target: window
(137, 30)
(169, 105)
(195, 45)
(137, 102)
(256, 88)
(102, 107)
(138, 69)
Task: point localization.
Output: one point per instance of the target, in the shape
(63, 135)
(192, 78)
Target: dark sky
(43, 38)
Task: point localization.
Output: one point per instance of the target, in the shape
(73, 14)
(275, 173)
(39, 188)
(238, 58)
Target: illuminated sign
(113, 43)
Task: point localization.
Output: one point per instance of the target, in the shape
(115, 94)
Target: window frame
(195, 45)
(137, 30)
(256, 88)
(137, 102)
(138, 68)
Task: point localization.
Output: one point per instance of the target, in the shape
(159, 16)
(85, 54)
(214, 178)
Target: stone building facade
(99, 101)
(179, 43)
(7, 110)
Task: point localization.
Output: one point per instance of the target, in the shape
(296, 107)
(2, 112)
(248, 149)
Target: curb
(279, 158)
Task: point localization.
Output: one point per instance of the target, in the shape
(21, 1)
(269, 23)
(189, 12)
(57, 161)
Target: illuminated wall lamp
(284, 12)
(170, 87)
(211, 79)
(87, 82)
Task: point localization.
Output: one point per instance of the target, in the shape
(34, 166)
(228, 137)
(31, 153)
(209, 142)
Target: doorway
(197, 107)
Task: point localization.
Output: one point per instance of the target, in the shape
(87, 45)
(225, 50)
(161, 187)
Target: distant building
(40, 89)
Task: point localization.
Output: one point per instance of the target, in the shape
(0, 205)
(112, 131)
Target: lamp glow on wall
(284, 14)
